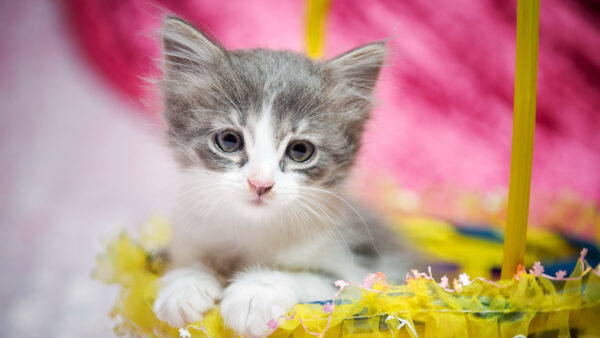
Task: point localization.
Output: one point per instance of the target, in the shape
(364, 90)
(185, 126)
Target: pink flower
(368, 282)
(537, 270)
(444, 282)
(561, 274)
(328, 307)
(340, 284)
(273, 324)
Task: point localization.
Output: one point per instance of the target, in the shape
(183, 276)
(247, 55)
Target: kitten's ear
(359, 67)
(184, 46)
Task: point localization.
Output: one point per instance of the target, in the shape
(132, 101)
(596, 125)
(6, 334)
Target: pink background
(446, 92)
(81, 151)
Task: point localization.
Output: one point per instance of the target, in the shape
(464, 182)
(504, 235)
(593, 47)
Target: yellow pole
(528, 14)
(315, 22)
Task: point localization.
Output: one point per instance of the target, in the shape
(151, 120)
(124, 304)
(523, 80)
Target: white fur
(185, 295)
(216, 226)
(255, 297)
(259, 295)
(263, 153)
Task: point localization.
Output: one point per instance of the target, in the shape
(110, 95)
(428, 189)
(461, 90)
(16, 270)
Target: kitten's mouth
(257, 201)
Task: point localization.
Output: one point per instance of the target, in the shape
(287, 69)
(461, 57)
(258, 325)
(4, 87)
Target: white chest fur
(229, 242)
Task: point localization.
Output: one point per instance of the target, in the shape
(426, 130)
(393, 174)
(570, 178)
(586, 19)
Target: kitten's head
(263, 129)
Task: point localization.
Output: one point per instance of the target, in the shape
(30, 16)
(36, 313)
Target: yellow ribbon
(315, 26)
(528, 17)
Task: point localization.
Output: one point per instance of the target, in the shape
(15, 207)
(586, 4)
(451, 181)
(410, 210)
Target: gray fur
(258, 253)
(204, 83)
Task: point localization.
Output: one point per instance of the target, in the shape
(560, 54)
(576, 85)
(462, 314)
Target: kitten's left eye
(229, 141)
(300, 151)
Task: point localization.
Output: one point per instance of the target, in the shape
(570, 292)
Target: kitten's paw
(185, 296)
(248, 305)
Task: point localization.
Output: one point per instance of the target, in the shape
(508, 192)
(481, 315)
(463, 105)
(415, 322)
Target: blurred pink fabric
(81, 149)
(77, 166)
(446, 94)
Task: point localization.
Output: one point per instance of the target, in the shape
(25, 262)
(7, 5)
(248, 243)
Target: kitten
(266, 140)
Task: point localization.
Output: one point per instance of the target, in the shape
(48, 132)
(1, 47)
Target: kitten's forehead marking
(264, 154)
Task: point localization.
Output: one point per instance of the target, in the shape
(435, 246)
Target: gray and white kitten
(266, 140)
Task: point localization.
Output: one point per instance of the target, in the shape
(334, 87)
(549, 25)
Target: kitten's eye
(300, 151)
(229, 141)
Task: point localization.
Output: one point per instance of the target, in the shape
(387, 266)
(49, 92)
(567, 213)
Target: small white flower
(464, 279)
(340, 284)
(184, 333)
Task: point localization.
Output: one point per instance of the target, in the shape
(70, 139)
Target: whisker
(331, 225)
(206, 210)
(362, 220)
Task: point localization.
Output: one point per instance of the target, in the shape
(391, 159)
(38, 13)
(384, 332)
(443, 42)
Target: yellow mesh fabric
(422, 307)
(476, 256)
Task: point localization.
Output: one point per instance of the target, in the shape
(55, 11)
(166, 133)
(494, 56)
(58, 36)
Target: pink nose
(260, 186)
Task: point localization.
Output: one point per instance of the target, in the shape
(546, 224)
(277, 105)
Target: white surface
(76, 165)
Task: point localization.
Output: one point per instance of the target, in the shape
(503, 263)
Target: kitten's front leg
(185, 295)
(257, 296)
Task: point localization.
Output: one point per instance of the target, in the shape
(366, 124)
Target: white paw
(248, 305)
(185, 296)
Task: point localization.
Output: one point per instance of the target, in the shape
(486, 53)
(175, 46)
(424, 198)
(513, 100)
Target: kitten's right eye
(300, 151)
(229, 141)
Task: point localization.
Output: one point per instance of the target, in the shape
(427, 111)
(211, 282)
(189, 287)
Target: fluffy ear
(184, 46)
(359, 67)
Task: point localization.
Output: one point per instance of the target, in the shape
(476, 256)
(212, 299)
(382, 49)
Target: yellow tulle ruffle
(531, 303)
